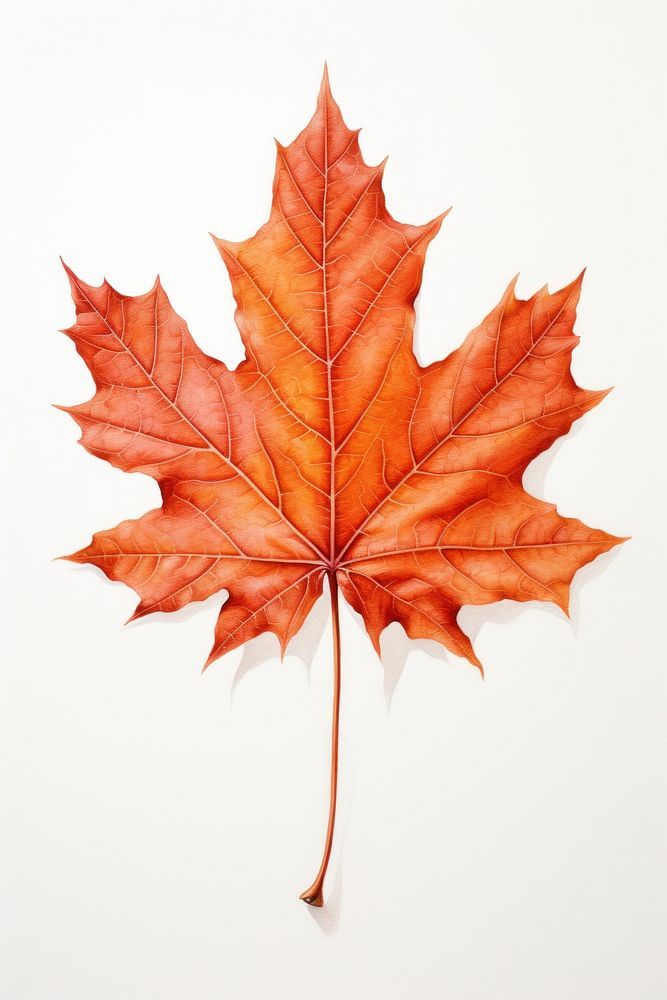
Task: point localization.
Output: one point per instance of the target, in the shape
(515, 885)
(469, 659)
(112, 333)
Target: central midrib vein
(325, 304)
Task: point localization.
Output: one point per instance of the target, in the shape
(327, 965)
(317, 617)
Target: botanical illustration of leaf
(330, 451)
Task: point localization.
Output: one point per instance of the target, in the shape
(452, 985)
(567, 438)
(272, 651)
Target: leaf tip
(211, 658)
(437, 222)
(574, 288)
(80, 556)
(325, 85)
(511, 288)
(138, 613)
(73, 279)
(473, 659)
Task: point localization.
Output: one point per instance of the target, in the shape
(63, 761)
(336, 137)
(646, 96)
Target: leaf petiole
(313, 895)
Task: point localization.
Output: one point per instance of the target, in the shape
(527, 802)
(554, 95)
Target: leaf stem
(313, 895)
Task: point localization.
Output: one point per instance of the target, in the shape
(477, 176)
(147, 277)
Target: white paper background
(498, 840)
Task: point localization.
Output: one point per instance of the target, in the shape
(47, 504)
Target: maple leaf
(329, 451)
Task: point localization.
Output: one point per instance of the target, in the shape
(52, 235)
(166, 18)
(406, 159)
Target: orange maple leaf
(329, 451)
